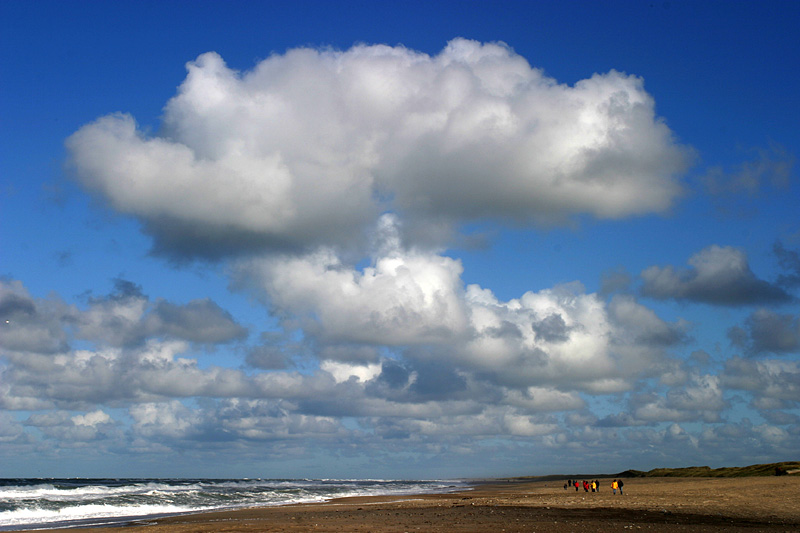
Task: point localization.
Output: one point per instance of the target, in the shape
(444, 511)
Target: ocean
(54, 503)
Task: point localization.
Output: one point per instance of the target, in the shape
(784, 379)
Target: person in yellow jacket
(614, 486)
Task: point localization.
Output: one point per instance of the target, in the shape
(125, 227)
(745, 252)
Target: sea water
(52, 503)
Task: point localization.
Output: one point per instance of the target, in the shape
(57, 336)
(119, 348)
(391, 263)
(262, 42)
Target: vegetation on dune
(769, 469)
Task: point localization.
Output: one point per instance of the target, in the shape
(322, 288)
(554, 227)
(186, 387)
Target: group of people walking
(593, 485)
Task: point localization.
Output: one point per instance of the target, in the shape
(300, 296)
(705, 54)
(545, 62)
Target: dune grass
(768, 469)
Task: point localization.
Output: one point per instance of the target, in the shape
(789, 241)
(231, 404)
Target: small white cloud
(92, 419)
(343, 372)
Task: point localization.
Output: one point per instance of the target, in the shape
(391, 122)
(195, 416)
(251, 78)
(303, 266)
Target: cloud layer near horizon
(529, 368)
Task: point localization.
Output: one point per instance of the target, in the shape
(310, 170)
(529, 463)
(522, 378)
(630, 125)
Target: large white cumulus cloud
(310, 146)
(406, 297)
(416, 300)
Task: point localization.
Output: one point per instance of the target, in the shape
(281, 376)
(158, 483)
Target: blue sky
(397, 239)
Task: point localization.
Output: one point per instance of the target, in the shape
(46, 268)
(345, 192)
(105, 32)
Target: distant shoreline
(764, 469)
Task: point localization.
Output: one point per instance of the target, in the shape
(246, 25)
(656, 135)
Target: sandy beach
(657, 504)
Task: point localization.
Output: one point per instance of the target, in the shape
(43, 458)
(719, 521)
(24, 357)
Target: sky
(397, 239)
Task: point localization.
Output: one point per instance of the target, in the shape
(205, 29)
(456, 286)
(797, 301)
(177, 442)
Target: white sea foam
(48, 490)
(83, 513)
(45, 504)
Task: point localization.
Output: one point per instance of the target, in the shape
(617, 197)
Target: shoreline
(662, 504)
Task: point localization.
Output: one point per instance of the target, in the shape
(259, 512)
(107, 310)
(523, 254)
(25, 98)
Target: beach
(655, 504)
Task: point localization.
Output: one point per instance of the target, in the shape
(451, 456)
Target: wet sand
(655, 504)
